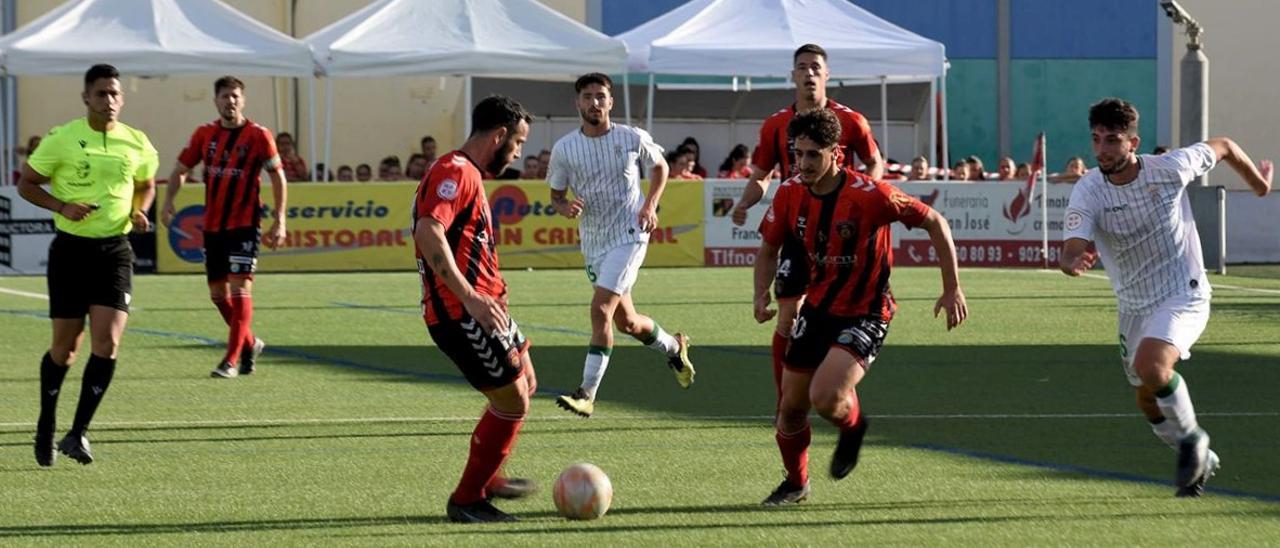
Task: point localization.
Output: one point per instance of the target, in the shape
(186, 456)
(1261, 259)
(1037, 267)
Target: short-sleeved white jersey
(1144, 230)
(605, 173)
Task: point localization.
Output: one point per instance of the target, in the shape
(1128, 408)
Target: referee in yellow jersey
(101, 176)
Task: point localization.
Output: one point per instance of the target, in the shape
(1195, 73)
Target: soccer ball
(583, 492)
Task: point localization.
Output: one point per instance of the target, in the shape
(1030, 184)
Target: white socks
(593, 371)
(1175, 404)
(662, 341)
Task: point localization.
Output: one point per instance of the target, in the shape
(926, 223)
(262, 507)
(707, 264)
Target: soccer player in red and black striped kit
(842, 219)
(810, 74)
(464, 300)
(233, 150)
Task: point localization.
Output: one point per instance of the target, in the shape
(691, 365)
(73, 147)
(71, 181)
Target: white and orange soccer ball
(583, 491)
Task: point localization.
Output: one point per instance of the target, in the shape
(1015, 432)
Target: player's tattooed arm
(438, 266)
(429, 236)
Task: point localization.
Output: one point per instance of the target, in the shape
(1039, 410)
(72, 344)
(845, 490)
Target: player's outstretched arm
(274, 237)
(756, 187)
(1076, 257)
(1257, 177)
(429, 236)
(952, 300)
(560, 201)
(765, 270)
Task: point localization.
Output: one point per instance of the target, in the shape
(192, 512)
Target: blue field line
(535, 327)
(1084, 471)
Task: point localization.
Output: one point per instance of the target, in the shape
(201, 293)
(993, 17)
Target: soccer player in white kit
(1135, 209)
(600, 162)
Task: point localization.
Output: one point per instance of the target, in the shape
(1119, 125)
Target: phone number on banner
(1016, 253)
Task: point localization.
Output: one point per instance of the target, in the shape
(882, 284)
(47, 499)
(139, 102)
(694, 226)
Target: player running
(233, 150)
(600, 162)
(1135, 209)
(810, 73)
(841, 219)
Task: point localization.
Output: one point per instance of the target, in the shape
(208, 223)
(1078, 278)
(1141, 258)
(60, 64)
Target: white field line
(21, 293)
(249, 423)
(1216, 285)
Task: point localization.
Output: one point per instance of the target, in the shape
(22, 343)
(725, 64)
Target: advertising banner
(728, 244)
(25, 233)
(993, 224)
(330, 227)
(530, 234)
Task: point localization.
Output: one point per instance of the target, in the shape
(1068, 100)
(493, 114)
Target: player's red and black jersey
(847, 237)
(232, 158)
(776, 149)
(453, 195)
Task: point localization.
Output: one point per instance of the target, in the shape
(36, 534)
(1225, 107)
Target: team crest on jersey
(82, 169)
(447, 190)
(1074, 220)
(769, 215)
(845, 229)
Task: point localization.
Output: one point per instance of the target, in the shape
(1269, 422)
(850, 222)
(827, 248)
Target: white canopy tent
(147, 37)
(756, 38)
(494, 38)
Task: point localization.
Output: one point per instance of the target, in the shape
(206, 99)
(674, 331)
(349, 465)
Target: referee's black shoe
(45, 456)
(76, 446)
(476, 512)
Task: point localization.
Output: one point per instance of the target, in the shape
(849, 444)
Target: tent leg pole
(932, 105)
(884, 120)
(626, 96)
(466, 108)
(946, 141)
(648, 125)
(328, 129)
(311, 125)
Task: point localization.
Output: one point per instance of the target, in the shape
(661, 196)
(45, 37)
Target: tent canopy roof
(758, 38)
(152, 37)
(475, 37)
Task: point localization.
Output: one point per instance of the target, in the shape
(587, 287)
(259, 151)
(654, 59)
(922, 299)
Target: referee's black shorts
(83, 272)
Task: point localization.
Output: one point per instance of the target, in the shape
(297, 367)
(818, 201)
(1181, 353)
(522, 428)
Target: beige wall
(373, 117)
(1240, 40)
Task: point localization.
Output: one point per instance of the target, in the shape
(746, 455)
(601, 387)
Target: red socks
(795, 454)
(855, 413)
(241, 317)
(779, 353)
(224, 307)
(491, 442)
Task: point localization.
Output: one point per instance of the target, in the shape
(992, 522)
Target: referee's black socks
(97, 376)
(51, 376)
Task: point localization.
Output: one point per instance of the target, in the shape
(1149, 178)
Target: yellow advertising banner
(365, 226)
(530, 234)
(331, 226)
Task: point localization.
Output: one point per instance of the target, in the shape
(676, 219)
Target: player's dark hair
(497, 111)
(816, 124)
(809, 48)
(593, 78)
(1114, 114)
(427, 139)
(227, 82)
(98, 72)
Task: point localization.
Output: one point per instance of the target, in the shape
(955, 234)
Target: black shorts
(817, 332)
(232, 251)
(793, 271)
(487, 360)
(85, 272)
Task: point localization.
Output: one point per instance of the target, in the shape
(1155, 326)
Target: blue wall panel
(1084, 29)
(966, 27)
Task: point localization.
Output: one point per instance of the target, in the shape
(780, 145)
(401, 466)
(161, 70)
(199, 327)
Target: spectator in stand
(1160, 149)
(681, 162)
(389, 169)
(692, 144)
(544, 160)
(737, 164)
(919, 169)
(295, 168)
(322, 173)
(345, 175)
(1023, 172)
(428, 145)
(416, 167)
(1075, 168)
(976, 171)
(23, 154)
(364, 173)
(1007, 170)
(960, 172)
(531, 167)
